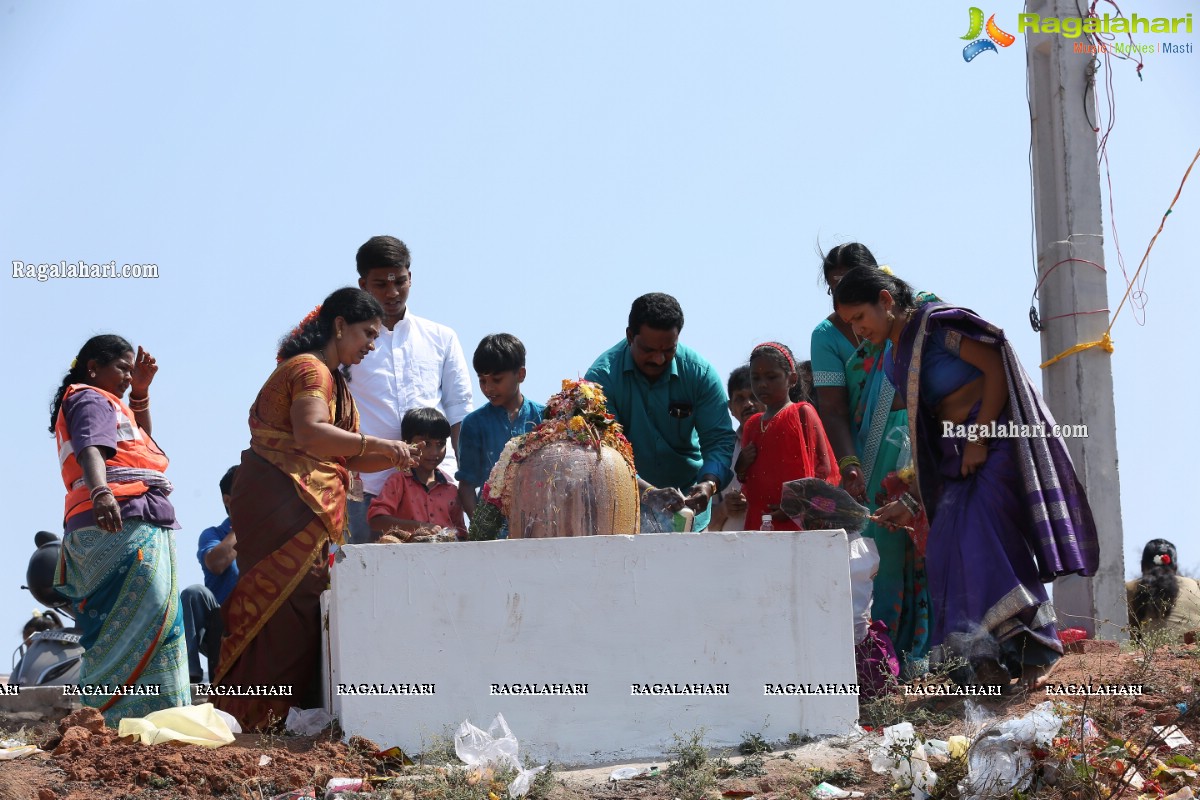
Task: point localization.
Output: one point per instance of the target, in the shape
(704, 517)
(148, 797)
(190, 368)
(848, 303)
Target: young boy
(500, 364)
(729, 513)
(426, 496)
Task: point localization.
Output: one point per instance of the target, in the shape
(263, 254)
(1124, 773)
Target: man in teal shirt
(673, 407)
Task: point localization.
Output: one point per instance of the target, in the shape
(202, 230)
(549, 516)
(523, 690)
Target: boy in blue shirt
(500, 364)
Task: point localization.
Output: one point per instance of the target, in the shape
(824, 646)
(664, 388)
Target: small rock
(81, 774)
(46, 794)
(87, 718)
(73, 740)
(1149, 702)
(363, 744)
(1165, 717)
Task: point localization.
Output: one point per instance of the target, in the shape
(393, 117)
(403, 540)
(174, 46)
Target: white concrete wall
(742, 609)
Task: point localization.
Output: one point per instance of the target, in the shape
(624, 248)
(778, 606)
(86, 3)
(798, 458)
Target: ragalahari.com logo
(994, 34)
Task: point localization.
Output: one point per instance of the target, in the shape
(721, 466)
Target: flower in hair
(1162, 559)
(312, 315)
(316, 312)
(885, 269)
(74, 361)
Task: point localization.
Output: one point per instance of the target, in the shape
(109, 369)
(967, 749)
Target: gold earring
(339, 334)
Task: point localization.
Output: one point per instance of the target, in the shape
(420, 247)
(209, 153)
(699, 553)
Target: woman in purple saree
(1007, 513)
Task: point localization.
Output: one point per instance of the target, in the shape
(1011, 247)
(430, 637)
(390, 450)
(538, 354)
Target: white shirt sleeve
(456, 382)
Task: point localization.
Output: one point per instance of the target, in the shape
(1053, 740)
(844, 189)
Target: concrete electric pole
(1069, 225)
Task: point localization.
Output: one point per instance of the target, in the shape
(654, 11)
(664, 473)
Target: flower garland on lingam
(579, 414)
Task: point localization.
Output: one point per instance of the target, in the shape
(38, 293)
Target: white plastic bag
(827, 791)
(903, 756)
(495, 747)
(307, 721)
(190, 724)
(999, 760)
(230, 720)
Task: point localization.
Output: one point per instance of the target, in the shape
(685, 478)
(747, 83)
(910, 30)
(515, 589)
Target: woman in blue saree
(118, 554)
(867, 425)
(1007, 514)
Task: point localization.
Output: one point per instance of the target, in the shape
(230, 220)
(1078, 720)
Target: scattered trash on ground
(15, 748)
(1000, 760)
(1171, 735)
(827, 791)
(497, 747)
(903, 756)
(307, 721)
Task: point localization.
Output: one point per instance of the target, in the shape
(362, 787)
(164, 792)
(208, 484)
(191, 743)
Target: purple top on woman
(92, 422)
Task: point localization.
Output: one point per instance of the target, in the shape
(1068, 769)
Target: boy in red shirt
(424, 497)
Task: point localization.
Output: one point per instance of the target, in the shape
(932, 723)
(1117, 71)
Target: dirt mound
(89, 761)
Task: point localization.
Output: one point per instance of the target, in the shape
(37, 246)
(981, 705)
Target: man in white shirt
(416, 363)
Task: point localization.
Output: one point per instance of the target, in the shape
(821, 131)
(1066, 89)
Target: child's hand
(745, 460)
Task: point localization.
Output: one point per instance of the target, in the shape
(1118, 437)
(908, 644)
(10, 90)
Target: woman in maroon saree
(1007, 514)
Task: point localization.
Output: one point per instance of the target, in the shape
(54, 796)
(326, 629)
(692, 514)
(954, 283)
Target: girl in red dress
(784, 443)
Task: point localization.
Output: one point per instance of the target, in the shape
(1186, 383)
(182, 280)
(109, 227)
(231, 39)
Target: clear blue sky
(546, 162)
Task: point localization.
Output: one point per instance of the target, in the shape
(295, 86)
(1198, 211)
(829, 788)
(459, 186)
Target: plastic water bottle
(766, 523)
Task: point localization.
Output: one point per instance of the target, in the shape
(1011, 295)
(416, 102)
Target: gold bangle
(363, 448)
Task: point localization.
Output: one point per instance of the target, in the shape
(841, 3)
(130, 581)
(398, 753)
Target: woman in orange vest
(289, 504)
(118, 553)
